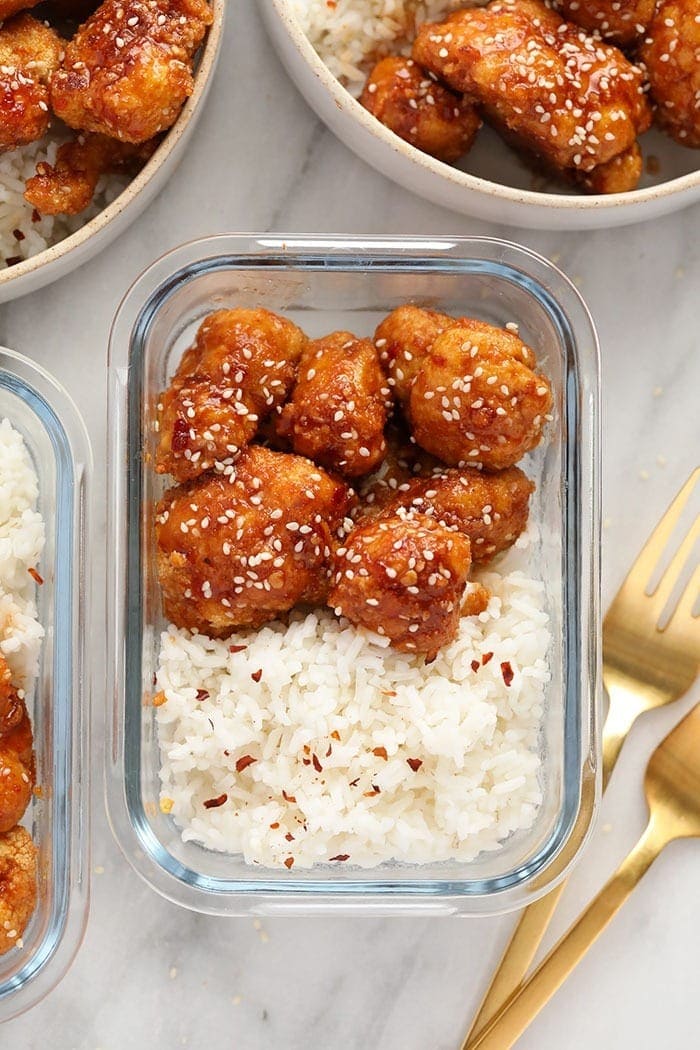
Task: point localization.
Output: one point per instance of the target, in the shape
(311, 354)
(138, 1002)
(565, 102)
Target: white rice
(352, 32)
(17, 215)
(22, 539)
(323, 679)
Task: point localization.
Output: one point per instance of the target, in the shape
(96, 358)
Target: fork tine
(684, 610)
(664, 588)
(639, 574)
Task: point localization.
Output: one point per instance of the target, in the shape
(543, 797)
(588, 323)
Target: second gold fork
(643, 668)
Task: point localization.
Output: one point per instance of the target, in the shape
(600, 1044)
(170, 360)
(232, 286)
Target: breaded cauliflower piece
(671, 54)
(241, 368)
(423, 112)
(338, 410)
(239, 551)
(29, 53)
(564, 96)
(403, 577)
(128, 70)
(622, 22)
(18, 885)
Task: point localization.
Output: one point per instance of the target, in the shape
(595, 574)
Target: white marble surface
(151, 975)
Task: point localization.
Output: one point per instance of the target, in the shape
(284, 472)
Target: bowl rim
(100, 221)
(344, 101)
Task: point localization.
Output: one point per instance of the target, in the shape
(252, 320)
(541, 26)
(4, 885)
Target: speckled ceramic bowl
(96, 234)
(497, 186)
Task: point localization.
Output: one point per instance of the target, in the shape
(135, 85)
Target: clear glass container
(58, 818)
(327, 283)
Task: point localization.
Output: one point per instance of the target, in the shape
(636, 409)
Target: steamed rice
(461, 771)
(21, 545)
(349, 33)
(17, 216)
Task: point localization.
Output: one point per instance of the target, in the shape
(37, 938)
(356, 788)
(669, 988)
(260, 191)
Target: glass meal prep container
(57, 817)
(324, 284)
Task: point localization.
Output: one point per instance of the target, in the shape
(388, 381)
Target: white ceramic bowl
(66, 255)
(496, 187)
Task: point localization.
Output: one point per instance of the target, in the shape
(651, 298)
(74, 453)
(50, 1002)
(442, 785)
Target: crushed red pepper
(202, 694)
(288, 862)
(214, 803)
(507, 672)
(341, 856)
(257, 675)
(35, 576)
(380, 752)
(237, 648)
(288, 798)
(244, 762)
(317, 765)
(475, 666)
(486, 657)
(415, 763)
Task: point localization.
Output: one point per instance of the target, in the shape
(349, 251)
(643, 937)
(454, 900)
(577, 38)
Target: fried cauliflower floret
(68, 186)
(403, 339)
(338, 410)
(412, 104)
(566, 97)
(241, 367)
(29, 53)
(490, 509)
(477, 400)
(403, 577)
(239, 551)
(16, 752)
(620, 21)
(15, 788)
(671, 54)
(128, 70)
(18, 884)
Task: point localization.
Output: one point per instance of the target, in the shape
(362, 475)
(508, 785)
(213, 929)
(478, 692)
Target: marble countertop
(152, 975)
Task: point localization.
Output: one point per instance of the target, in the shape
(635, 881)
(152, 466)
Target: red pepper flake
(306, 749)
(306, 761)
(507, 672)
(380, 752)
(317, 765)
(289, 837)
(257, 675)
(227, 753)
(475, 665)
(335, 734)
(18, 235)
(288, 862)
(12, 260)
(214, 803)
(237, 648)
(388, 692)
(36, 215)
(288, 798)
(244, 762)
(202, 694)
(375, 791)
(159, 699)
(485, 658)
(341, 856)
(329, 752)
(275, 825)
(35, 576)
(354, 783)
(415, 763)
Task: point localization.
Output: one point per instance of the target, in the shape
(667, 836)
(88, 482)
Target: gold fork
(643, 668)
(672, 788)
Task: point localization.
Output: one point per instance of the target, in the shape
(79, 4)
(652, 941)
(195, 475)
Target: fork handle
(535, 919)
(502, 1031)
